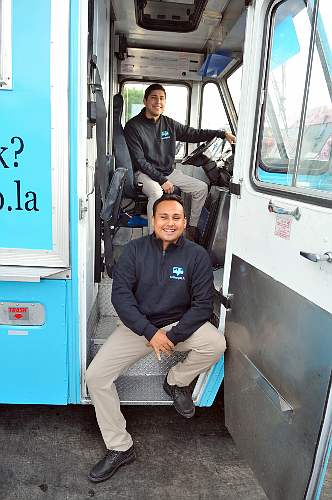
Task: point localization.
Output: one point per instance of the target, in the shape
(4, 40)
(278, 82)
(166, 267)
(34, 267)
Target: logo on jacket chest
(179, 273)
(165, 135)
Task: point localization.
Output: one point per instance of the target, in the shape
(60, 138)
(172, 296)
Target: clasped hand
(160, 342)
(168, 187)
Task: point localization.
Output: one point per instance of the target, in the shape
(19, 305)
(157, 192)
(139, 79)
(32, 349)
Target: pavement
(47, 452)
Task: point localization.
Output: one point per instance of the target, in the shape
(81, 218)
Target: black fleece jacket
(153, 288)
(152, 144)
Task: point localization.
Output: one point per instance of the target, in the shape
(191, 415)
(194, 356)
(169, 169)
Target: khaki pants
(198, 189)
(122, 349)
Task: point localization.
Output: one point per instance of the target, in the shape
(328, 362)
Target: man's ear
(152, 221)
(144, 101)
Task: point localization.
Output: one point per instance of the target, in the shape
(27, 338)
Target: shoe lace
(111, 455)
(183, 390)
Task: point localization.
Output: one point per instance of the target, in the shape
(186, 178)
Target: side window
(234, 82)
(296, 129)
(213, 114)
(5, 45)
(177, 97)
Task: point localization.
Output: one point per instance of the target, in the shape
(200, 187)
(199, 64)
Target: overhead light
(182, 16)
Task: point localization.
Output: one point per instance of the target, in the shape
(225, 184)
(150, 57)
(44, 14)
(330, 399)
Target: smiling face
(155, 104)
(169, 221)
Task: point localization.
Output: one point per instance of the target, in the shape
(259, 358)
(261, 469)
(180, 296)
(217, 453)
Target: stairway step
(142, 389)
(149, 365)
(105, 326)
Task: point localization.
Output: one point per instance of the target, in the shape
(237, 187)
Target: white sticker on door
(282, 227)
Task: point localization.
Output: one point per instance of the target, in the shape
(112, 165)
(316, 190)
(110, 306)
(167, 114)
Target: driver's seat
(120, 149)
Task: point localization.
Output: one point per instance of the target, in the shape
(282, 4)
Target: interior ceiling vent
(182, 16)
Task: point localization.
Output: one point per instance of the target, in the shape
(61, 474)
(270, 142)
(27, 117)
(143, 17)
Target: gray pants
(198, 189)
(122, 349)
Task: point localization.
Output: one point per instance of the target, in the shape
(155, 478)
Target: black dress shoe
(110, 463)
(182, 399)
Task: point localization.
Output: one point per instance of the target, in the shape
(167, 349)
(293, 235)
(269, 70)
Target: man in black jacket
(151, 138)
(163, 292)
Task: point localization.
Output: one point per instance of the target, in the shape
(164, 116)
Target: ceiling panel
(137, 37)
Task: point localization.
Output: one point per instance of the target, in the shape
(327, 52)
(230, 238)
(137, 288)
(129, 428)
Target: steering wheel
(198, 151)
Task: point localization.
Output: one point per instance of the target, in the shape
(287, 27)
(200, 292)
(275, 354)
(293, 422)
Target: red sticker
(283, 227)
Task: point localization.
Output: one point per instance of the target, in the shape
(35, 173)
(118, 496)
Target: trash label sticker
(283, 227)
(23, 313)
(16, 313)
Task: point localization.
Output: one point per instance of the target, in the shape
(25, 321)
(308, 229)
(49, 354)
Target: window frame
(226, 78)
(215, 82)
(6, 45)
(296, 193)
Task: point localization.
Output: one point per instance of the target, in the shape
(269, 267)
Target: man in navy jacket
(151, 138)
(163, 292)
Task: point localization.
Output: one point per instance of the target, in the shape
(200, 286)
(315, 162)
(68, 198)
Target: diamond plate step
(142, 389)
(142, 383)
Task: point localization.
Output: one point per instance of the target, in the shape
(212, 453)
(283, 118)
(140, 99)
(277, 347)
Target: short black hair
(151, 88)
(167, 197)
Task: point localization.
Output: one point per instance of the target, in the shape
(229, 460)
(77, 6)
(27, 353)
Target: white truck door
(278, 272)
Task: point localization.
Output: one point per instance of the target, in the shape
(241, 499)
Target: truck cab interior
(161, 42)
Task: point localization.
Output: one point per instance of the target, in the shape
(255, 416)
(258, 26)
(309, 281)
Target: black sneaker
(110, 463)
(182, 399)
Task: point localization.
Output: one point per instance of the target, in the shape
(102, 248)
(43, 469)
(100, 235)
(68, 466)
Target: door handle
(296, 213)
(317, 258)
(93, 177)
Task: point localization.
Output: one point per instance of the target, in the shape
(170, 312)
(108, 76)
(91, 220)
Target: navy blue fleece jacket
(153, 288)
(152, 144)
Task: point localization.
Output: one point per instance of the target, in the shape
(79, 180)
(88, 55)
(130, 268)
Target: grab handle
(314, 257)
(296, 213)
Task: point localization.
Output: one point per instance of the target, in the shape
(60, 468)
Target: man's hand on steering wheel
(230, 137)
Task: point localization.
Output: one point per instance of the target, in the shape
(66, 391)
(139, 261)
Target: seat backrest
(114, 196)
(120, 148)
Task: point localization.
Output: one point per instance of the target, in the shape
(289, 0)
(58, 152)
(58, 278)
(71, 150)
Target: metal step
(143, 382)
(148, 387)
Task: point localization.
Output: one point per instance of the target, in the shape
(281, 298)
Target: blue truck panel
(25, 132)
(34, 358)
